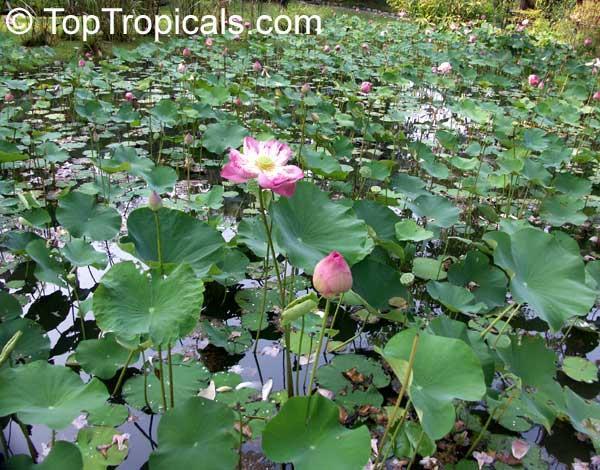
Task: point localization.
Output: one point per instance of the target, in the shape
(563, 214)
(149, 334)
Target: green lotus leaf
(33, 344)
(580, 369)
(102, 357)
(444, 369)
(98, 449)
(82, 216)
(40, 393)
(221, 136)
(308, 235)
(408, 230)
(81, 254)
(544, 274)
(313, 437)
(131, 303)
(183, 239)
(63, 456)
(454, 298)
(183, 443)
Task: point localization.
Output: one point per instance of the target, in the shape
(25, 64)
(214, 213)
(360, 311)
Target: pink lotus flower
(129, 96)
(182, 68)
(257, 66)
(247, 25)
(332, 275)
(338, 48)
(209, 42)
(305, 88)
(81, 63)
(587, 42)
(365, 47)
(265, 161)
(238, 101)
(534, 80)
(326, 49)
(444, 68)
(188, 139)
(519, 448)
(9, 97)
(366, 87)
(154, 201)
(472, 39)
(186, 52)
(596, 96)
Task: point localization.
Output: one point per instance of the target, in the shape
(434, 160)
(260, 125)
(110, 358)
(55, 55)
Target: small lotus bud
(182, 68)
(338, 48)
(81, 63)
(305, 88)
(209, 42)
(326, 49)
(188, 139)
(332, 275)
(257, 66)
(587, 42)
(533, 80)
(154, 201)
(596, 96)
(187, 52)
(129, 96)
(366, 87)
(238, 101)
(9, 97)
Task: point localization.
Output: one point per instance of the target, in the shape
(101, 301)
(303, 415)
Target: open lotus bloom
(267, 163)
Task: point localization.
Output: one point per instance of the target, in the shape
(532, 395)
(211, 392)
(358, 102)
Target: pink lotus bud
(188, 139)
(533, 80)
(209, 42)
(129, 96)
(525, 22)
(541, 85)
(305, 88)
(182, 68)
(95, 136)
(9, 97)
(332, 275)
(257, 66)
(326, 49)
(81, 63)
(587, 42)
(89, 55)
(236, 37)
(247, 25)
(366, 87)
(338, 48)
(154, 201)
(472, 38)
(186, 52)
(365, 47)
(444, 68)
(238, 101)
(596, 96)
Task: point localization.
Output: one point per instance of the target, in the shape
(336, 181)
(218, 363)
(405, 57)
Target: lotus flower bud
(305, 88)
(332, 275)
(81, 63)
(365, 47)
(533, 80)
(187, 52)
(472, 39)
(182, 68)
(95, 136)
(326, 49)
(238, 101)
(154, 201)
(257, 66)
(338, 48)
(129, 96)
(9, 97)
(209, 42)
(247, 25)
(587, 42)
(445, 68)
(596, 96)
(366, 87)
(188, 139)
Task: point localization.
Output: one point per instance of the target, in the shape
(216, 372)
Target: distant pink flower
(444, 68)
(596, 96)
(81, 63)
(338, 48)
(247, 25)
(208, 42)
(472, 38)
(9, 97)
(266, 162)
(187, 52)
(154, 201)
(238, 101)
(305, 88)
(326, 49)
(541, 85)
(365, 47)
(402, 14)
(182, 68)
(129, 96)
(188, 139)
(332, 275)
(366, 87)
(257, 66)
(120, 440)
(587, 42)
(519, 448)
(534, 80)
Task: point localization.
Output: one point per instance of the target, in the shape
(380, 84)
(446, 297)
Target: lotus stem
(122, 374)
(162, 378)
(403, 388)
(171, 376)
(9, 347)
(317, 354)
(158, 245)
(30, 446)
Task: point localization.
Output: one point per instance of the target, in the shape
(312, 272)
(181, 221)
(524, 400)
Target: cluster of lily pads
(393, 218)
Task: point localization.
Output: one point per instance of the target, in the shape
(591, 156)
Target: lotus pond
(372, 248)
